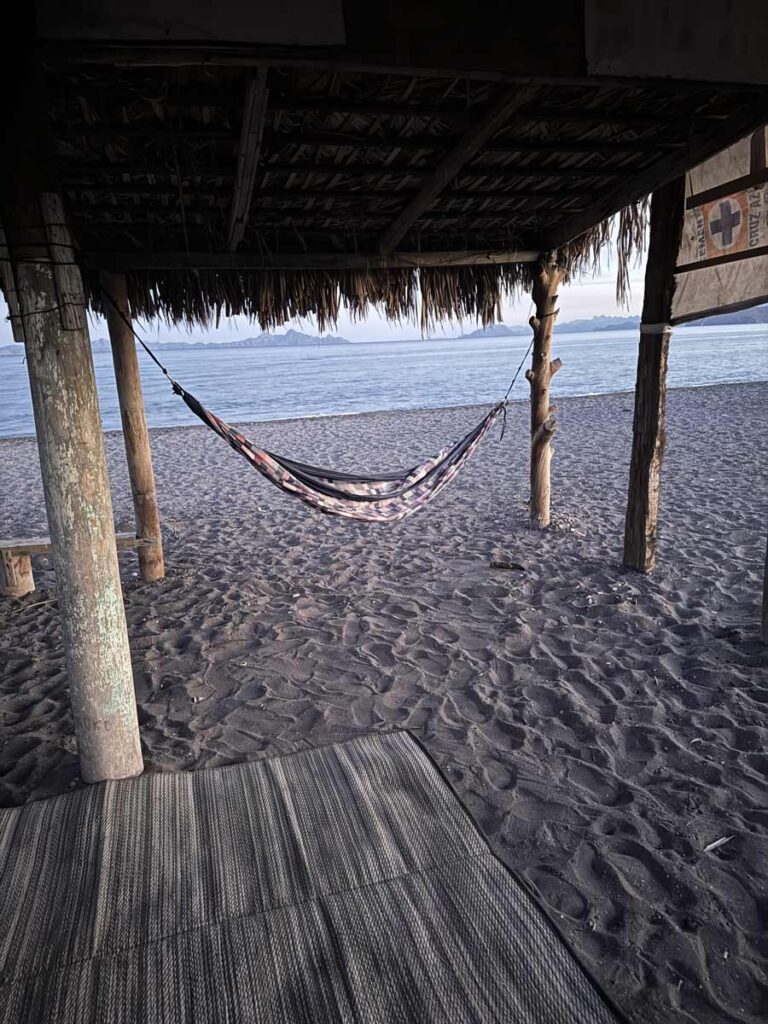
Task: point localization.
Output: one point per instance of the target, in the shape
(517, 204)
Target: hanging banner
(723, 260)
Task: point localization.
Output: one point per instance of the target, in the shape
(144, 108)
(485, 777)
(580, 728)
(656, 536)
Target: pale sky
(585, 298)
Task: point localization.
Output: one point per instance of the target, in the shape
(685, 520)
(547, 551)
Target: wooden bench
(15, 558)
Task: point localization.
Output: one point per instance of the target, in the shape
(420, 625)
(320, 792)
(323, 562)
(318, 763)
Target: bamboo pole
(135, 433)
(543, 368)
(648, 438)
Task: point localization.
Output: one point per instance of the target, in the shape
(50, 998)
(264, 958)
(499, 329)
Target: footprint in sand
(379, 653)
(558, 893)
(609, 792)
(646, 875)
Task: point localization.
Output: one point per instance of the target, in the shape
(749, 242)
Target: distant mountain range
(291, 339)
(755, 315)
(297, 339)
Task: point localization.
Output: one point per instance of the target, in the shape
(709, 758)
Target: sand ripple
(602, 727)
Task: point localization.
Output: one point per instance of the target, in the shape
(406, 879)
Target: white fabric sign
(723, 260)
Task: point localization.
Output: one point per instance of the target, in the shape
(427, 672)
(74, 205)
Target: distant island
(297, 339)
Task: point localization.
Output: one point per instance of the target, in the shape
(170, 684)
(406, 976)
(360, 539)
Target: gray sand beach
(603, 728)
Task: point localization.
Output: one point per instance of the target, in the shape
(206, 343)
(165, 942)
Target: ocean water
(245, 385)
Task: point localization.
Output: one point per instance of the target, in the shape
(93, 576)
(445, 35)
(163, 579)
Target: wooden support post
(79, 507)
(648, 437)
(17, 574)
(135, 433)
(546, 281)
(70, 440)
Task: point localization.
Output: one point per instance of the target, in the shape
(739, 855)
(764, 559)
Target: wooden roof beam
(452, 111)
(473, 141)
(500, 171)
(122, 261)
(108, 131)
(317, 137)
(248, 154)
(330, 195)
(77, 173)
(502, 145)
(83, 171)
(301, 222)
(188, 100)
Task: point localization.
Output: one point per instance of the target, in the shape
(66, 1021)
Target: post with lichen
(546, 280)
(71, 446)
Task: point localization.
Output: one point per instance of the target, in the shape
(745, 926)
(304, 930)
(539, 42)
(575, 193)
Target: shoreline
(415, 410)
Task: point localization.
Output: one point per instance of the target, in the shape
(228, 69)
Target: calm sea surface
(244, 385)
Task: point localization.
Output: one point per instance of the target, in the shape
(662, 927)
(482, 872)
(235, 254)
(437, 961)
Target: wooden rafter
(472, 142)
(83, 171)
(416, 143)
(249, 151)
(399, 170)
(642, 182)
(123, 261)
(453, 111)
(316, 137)
(297, 195)
(80, 172)
(318, 220)
(85, 201)
(186, 102)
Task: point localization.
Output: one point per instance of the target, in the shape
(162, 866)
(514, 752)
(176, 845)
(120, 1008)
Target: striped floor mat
(341, 884)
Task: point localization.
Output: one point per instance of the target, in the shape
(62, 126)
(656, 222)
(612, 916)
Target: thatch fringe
(271, 297)
(631, 236)
(427, 296)
(627, 230)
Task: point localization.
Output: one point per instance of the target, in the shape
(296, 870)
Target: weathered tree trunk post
(79, 507)
(651, 387)
(135, 433)
(70, 442)
(546, 281)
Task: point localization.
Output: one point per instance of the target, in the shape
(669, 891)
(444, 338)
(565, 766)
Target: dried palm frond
(429, 295)
(631, 236)
(628, 230)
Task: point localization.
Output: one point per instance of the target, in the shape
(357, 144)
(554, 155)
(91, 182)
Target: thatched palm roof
(287, 191)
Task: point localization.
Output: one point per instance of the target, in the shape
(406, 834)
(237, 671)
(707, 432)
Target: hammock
(382, 499)
(386, 498)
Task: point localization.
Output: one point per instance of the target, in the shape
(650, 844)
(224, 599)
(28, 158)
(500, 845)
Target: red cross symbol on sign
(725, 222)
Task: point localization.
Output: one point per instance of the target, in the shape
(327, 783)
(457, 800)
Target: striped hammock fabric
(386, 498)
